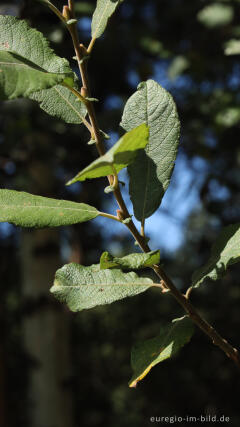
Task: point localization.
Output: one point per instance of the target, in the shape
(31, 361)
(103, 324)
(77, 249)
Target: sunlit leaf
(20, 77)
(102, 13)
(27, 210)
(150, 173)
(16, 36)
(86, 287)
(118, 157)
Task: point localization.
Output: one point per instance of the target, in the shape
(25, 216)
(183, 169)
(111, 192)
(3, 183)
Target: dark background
(59, 369)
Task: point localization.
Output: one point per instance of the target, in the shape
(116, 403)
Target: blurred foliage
(144, 39)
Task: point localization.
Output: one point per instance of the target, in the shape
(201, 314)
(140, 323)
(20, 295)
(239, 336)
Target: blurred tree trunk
(46, 325)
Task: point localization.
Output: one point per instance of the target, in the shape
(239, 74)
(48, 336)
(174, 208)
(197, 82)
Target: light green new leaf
(102, 13)
(232, 47)
(149, 353)
(20, 77)
(225, 252)
(86, 287)
(150, 173)
(27, 210)
(130, 262)
(119, 156)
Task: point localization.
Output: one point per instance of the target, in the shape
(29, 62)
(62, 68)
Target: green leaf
(150, 173)
(61, 102)
(215, 15)
(225, 252)
(130, 262)
(149, 353)
(27, 210)
(20, 77)
(118, 157)
(16, 36)
(28, 44)
(232, 47)
(86, 287)
(102, 13)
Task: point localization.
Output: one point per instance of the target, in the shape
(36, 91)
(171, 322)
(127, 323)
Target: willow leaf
(225, 252)
(118, 157)
(16, 36)
(130, 262)
(102, 13)
(60, 102)
(27, 210)
(86, 287)
(20, 77)
(145, 355)
(151, 171)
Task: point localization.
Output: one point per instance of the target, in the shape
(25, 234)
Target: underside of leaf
(20, 77)
(86, 287)
(16, 36)
(225, 251)
(102, 13)
(147, 354)
(130, 262)
(151, 171)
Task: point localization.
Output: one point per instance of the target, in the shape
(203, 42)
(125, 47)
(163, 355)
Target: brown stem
(166, 283)
(230, 351)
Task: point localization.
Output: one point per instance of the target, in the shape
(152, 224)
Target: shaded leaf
(61, 102)
(150, 173)
(225, 252)
(102, 13)
(149, 353)
(119, 156)
(20, 77)
(130, 262)
(86, 287)
(27, 210)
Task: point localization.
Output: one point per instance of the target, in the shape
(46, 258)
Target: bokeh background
(60, 369)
